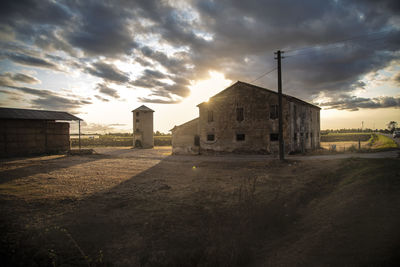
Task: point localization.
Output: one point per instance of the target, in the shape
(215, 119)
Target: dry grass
(144, 208)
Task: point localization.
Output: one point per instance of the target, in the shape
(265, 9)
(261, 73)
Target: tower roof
(143, 108)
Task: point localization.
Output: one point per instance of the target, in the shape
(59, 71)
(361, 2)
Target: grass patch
(341, 137)
(378, 141)
(380, 172)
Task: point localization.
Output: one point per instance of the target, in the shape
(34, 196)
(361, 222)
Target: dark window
(311, 135)
(240, 137)
(210, 137)
(274, 137)
(239, 114)
(137, 114)
(273, 112)
(210, 116)
(306, 135)
(295, 137)
(137, 120)
(301, 134)
(137, 130)
(197, 140)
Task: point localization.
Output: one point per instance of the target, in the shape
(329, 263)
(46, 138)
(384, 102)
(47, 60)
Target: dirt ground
(129, 207)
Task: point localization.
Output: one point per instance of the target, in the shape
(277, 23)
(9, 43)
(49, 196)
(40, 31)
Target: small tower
(143, 127)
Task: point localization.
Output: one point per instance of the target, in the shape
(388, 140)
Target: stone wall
(300, 122)
(25, 137)
(143, 128)
(183, 138)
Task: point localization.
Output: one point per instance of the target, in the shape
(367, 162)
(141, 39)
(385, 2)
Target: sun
(202, 90)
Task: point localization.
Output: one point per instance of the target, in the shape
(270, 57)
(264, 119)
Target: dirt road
(126, 207)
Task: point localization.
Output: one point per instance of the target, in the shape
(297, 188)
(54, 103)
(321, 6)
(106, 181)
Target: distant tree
(392, 126)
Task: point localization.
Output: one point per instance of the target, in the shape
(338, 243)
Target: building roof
(143, 108)
(184, 124)
(290, 98)
(34, 114)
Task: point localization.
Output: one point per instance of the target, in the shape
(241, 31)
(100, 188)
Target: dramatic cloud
(396, 78)
(158, 100)
(46, 99)
(9, 79)
(108, 72)
(31, 61)
(352, 103)
(102, 98)
(176, 42)
(104, 89)
(102, 28)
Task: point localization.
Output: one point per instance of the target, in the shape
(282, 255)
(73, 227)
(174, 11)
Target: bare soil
(129, 207)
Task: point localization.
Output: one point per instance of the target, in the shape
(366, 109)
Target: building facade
(26, 131)
(244, 118)
(143, 127)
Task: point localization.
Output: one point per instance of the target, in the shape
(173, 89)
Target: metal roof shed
(21, 129)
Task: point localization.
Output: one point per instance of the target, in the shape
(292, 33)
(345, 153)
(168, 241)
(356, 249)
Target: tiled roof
(143, 108)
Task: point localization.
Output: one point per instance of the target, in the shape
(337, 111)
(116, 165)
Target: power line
(335, 47)
(266, 73)
(338, 41)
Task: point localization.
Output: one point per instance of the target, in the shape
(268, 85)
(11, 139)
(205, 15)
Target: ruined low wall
(26, 137)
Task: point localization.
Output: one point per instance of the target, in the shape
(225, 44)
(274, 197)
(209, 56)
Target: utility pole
(281, 146)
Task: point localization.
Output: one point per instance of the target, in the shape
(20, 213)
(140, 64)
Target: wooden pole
(281, 146)
(79, 127)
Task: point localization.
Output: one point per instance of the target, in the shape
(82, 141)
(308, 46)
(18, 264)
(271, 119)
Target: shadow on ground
(199, 212)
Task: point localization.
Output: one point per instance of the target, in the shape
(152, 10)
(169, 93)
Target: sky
(101, 59)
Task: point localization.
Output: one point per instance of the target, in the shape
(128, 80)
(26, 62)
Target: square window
(240, 137)
(210, 116)
(274, 137)
(239, 114)
(273, 112)
(137, 120)
(210, 137)
(137, 114)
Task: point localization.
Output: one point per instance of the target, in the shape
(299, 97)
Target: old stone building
(143, 127)
(244, 118)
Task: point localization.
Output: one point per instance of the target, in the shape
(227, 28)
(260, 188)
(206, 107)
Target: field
(128, 207)
(342, 142)
(116, 141)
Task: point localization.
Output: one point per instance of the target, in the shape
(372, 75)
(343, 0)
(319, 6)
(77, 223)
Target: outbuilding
(29, 131)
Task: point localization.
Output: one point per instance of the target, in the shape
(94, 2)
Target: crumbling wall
(300, 122)
(185, 138)
(256, 126)
(25, 137)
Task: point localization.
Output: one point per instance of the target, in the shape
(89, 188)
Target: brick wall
(25, 137)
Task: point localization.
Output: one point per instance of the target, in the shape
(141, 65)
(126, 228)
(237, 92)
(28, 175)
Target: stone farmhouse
(243, 118)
